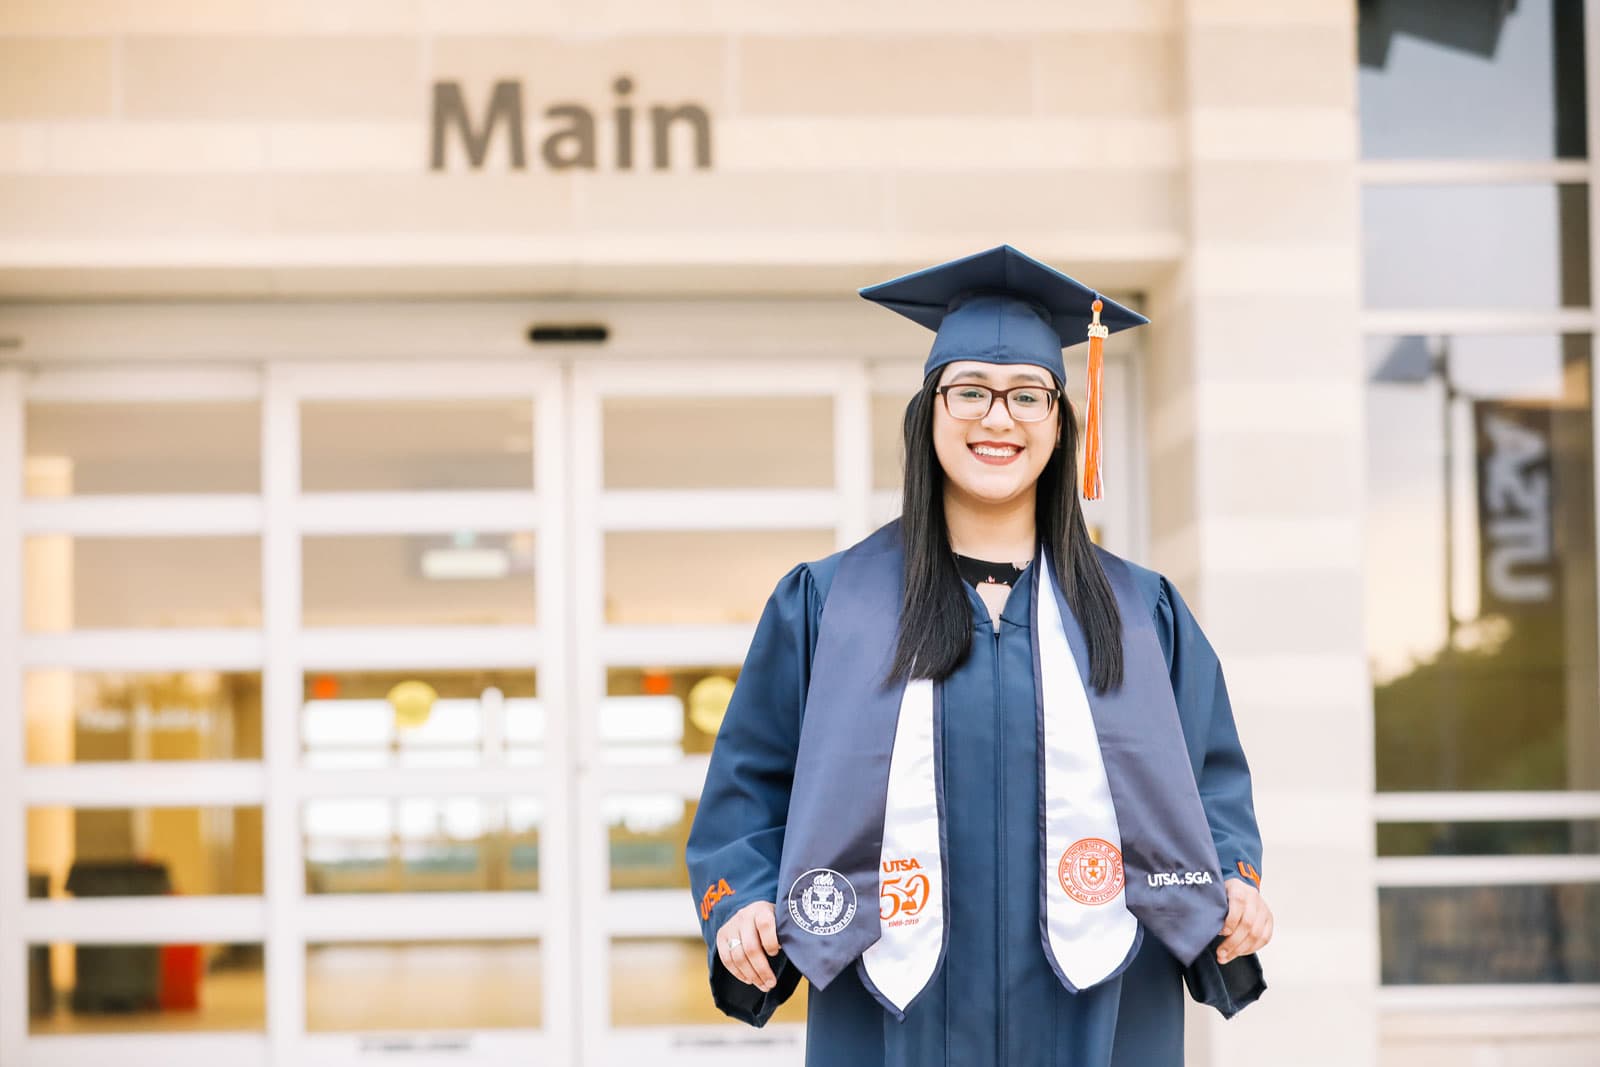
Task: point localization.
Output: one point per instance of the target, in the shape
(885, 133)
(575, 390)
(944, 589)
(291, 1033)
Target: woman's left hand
(1249, 922)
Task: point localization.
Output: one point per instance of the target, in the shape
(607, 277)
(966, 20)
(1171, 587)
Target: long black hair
(936, 616)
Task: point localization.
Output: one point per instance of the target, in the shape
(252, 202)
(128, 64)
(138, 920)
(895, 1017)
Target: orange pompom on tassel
(1092, 430)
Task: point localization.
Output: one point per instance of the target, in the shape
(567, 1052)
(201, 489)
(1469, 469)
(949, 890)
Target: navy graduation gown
(995, 1000)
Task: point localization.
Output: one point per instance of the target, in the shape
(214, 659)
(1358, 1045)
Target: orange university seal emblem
(1091, 871)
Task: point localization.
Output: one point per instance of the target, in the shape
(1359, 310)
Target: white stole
(911, 867)
(1087, 922)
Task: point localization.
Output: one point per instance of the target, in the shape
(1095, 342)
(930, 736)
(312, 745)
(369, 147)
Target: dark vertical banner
(1508, 687)
(1518, 569)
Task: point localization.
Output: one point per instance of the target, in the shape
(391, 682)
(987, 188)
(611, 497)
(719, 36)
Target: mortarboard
(1002, 306)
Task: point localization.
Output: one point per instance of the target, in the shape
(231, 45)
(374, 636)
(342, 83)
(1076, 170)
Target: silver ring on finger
(733, 943)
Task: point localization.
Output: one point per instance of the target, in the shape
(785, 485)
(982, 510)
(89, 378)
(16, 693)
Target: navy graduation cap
(1002, 306)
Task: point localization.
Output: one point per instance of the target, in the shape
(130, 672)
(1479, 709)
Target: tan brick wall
(242, 79)
(902, 74)
(130, 132)
(56, 77)
(665, 69)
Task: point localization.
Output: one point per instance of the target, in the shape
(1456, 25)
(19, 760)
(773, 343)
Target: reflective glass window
(421, 443)
(888, 439)
(646, 834)
(107, 583)
(195, 851)
(423, 985)
(433, 718)
(421, 844)
(95, 716)
(693, 576)
(718, 442)
(1476, 80)
(1481, 563)
(1475, 246)
(460, 579)
(1493, 934)
(92, 449)
(165, 988)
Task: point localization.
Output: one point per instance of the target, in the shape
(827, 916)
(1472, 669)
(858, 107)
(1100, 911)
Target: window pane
(421, 844)
(416, 444)
(1490, 934)
(91, 583)
(458, 719)
(1486, 681)
(416, 985)
(1529, 837)
(647, 833)
(194, 851)
(658, 714)
(888, 439)
(91, 449)
(1478, 246)
(661, 981)
(182, 715)
(705, 577)
(716, 442)
(420, 580)
(111, 989)
(1499, 81)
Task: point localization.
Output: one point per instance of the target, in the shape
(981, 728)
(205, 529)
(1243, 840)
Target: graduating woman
(979, 781)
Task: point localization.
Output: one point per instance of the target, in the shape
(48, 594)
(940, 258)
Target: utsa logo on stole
(714, 894)
(901, 899)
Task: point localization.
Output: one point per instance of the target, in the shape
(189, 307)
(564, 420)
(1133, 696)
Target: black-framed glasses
(1027, 403)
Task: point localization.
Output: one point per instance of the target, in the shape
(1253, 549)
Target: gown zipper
(1000, 852)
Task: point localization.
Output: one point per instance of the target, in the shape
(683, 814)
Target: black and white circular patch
(822, 902)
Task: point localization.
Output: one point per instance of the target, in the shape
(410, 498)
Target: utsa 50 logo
(903, 892)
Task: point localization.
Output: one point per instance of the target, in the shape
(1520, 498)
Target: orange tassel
(1092, 487)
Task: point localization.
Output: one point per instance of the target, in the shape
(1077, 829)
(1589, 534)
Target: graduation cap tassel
(1092, 486)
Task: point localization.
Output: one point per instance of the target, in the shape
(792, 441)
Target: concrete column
(1254, 395)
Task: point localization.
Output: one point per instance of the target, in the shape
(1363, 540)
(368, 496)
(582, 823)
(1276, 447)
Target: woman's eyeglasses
(1027, 403)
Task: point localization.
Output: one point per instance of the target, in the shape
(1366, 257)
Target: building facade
(407, 408)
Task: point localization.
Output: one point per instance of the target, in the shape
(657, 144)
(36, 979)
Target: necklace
(981, 571)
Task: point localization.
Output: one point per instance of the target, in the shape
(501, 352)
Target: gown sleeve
(737, 838)
(1223, 777)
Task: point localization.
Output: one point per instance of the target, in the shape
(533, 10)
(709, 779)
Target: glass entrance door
(287, 742)
(695, 487)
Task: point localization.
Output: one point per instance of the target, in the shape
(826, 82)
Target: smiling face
(995, 459)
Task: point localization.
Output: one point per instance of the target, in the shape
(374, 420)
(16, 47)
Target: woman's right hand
(746, 940)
